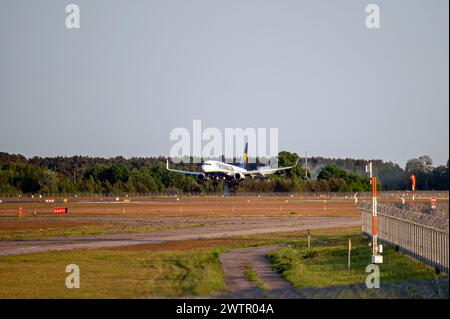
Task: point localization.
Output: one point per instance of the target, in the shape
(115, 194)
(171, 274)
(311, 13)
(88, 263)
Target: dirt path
(240, 287)
(228, 229)
(238, 283)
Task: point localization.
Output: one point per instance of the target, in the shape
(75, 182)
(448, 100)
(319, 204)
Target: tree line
(83, 174)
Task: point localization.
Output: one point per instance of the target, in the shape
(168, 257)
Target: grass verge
(325, 264)
(110, 274)
(253, 276)
(192, 268)
(86, 230)
(172, 269)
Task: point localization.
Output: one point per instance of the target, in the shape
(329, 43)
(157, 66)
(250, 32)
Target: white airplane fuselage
(220, 169)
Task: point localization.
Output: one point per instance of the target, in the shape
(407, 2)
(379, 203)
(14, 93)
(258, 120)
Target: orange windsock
(413, 181)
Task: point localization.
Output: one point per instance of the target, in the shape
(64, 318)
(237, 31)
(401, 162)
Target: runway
(226, 227)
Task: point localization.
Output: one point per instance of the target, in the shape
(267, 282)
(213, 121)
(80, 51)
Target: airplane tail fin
(244, 160)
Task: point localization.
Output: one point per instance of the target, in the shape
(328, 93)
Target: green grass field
(111, 274)
(86, 230)
(326, 263)
(180, 270)
(253, 276)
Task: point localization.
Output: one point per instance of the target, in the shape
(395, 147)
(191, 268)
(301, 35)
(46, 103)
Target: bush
(309, 253)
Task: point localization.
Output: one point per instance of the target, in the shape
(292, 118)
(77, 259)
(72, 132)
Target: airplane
(232, 174)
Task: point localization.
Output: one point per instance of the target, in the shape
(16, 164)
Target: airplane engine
(201, 177)
(239, 176)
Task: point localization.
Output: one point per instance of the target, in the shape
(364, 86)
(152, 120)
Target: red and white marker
(433, 202)
(413, 186)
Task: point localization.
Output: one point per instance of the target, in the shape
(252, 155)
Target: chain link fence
(423, 237)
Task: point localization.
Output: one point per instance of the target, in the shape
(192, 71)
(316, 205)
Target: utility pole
(374, 218)
(376, 258)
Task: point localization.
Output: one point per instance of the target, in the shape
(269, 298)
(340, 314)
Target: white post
(309, 239)
(349, 252)
(369, 170)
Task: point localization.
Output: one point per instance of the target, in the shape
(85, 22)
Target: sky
(135, 70)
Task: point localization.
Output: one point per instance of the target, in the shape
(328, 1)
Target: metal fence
(422, 237)
(395, 195)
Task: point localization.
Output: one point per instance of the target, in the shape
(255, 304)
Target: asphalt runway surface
(223, 227)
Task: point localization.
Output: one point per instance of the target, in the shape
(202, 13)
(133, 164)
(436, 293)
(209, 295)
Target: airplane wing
(267, 171)
(182, 172)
